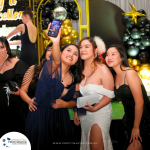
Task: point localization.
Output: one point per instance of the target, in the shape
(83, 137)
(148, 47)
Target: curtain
(139, 4)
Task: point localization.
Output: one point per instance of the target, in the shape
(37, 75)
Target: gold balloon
(130, 60)
(74, 34)
(134, 62)
(66, 40)
(137, 68)
(133, 14)
(46, 42)
(65, 31)
(138, 62)
(44, 35)
(131, 66)
(69, 28)
(67, 22)
(73, 42)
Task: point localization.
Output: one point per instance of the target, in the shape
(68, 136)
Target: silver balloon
(60, 13)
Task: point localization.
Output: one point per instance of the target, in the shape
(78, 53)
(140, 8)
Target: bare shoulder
(102, 68)
(131, 73)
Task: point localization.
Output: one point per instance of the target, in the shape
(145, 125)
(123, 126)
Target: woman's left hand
(89, 107)
(18, 92)
(59, 104)
(135, 135)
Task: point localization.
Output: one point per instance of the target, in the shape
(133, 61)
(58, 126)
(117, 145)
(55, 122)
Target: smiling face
(70, 55)
(86, 50)
(48, 53)
(113, 58)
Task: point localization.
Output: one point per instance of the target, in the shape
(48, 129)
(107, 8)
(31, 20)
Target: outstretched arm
(19, 28)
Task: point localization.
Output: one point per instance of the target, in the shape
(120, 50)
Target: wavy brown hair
(99, 59)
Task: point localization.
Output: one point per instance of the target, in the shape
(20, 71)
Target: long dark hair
(75, 70)
(38, 68)
(28, 11)
(4, 41)
(122, 52)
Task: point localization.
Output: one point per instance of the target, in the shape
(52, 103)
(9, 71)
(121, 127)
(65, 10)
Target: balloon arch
(43, 15)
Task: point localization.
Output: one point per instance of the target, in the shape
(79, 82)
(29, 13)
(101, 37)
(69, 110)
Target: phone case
(54, 29)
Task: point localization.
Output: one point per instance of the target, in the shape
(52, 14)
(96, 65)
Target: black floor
(117, 134)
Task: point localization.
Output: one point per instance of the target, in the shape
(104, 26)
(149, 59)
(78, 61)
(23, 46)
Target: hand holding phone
(54, 39)
(54, 28)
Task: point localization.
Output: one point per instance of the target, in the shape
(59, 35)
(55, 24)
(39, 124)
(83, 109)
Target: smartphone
(55, 26)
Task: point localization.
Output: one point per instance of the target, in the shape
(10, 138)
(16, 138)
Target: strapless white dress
(102, 117)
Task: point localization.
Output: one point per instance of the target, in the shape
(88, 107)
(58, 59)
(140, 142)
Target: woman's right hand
(54, 39)
(32, 105)
(76, 119)
(3, 55)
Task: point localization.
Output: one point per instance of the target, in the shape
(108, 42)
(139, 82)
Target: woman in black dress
(11, 69)
(129, 88)
(28, 31)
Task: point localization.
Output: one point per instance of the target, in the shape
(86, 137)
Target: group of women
(65, 75)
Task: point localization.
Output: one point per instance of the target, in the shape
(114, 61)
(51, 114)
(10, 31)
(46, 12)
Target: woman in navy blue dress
(46, 127)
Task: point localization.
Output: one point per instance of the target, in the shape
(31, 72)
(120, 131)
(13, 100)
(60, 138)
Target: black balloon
(46, 11)
(36, 3)
(71, 9)
(126, 30)
(145, 40)
(57, 4)
(126, 37)
(143, 32)
(66, 7)
(142, 11)
(46, 21)
(42, 6)
(68, 15)
(143, 56)
(130, 41)
(137, 42)
(141, 22)
(51, 17)
(130, 23)
(50, 3)
(70, 4)
(125, 20)
(74, 5)
(75, 15)
(147, 28)
(135, 33)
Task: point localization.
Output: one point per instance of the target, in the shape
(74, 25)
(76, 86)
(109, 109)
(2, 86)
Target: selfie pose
(28, 31)
(12, 70)
(131, 91)
(46, 127)
(97, 80)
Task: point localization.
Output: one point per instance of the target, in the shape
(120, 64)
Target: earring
(95, 55)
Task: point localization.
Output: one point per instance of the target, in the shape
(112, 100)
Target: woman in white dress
(97, 79)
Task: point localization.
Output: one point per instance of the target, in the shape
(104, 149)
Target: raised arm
(19, 28)
(55, 50)
(134, 83)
